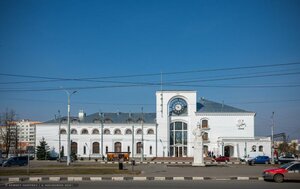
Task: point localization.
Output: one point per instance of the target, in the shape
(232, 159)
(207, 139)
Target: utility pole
(142, 136)
(69, 128)
(272, 138)
(59, 137)
(156, 125)
(132, 142)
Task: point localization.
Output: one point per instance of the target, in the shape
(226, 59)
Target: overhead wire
(125, 84)
(49, 79)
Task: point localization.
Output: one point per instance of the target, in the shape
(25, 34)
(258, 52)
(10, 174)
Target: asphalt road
(229, 184)
(163, 170)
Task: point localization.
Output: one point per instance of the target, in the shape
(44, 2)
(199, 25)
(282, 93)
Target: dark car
(286, 159)
(1, 161)
(16, 161)
(288, 171)
(222, 159)
(259, 160)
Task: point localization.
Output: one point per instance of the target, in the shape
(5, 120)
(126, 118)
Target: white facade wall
(220, 125)
(224, 132)
(50, 133)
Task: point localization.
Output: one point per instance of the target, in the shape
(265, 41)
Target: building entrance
(178, 139)
(228, 151)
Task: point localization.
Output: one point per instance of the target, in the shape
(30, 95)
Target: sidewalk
(161, 172)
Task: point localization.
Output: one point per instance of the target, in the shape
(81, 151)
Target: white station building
(229, 131)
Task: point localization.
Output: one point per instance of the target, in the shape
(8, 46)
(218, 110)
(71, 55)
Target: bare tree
(8, 132)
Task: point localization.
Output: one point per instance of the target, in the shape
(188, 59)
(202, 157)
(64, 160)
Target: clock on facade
(178, 106)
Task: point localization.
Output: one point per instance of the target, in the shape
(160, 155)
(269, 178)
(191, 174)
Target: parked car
(14, 161)
(288, 171)
(222, 159)
(245, 159)
(259, 160)
(1, 161)
(286, 159)
(64, 159)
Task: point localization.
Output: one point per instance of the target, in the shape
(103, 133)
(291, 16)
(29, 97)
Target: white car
(245, 159)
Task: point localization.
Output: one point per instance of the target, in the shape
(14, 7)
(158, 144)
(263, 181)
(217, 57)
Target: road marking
(242, 178)
(159, 178)
(178, 178)
(54, 178)
(139, 178)
(35, 178)
(96, 178)
(14, 179)
(198, 178)
(117, 178)
(74, 178)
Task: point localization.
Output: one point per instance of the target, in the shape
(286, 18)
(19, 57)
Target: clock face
(178, 106)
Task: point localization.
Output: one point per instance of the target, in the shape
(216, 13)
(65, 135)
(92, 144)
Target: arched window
(96, 121)
(117, 132)
(64, 121)
(140, 120)
(150, 150)
(205, 136)
(107, 120)
(84, 149)
(128, 132)
(74, 132)
(74, 148)
(75, 121)
(128, 148)
(95, 132)
(63, 131)
(139, 132)
(96, 149)
(205, 150)
(204, 124)
(261, 148)
(139, 148)
(129, 120)
(106, 149)
(150, 132)
(118, 147)
(84, 132)
(106, 132)
(62, 152)
(253, 148)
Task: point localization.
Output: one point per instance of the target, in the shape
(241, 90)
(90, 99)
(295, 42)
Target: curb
(176, 163)
(80, 179)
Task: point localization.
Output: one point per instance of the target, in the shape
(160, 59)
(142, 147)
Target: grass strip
(65, 171)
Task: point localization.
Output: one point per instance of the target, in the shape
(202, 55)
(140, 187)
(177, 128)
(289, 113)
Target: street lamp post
(69, 134)
(142, 157)
(101, 122)
(272, 139)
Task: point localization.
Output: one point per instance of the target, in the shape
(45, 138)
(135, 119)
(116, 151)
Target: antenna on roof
(161, 94)
(222, 105)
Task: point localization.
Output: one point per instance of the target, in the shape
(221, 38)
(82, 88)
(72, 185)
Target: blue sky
(96, 39)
